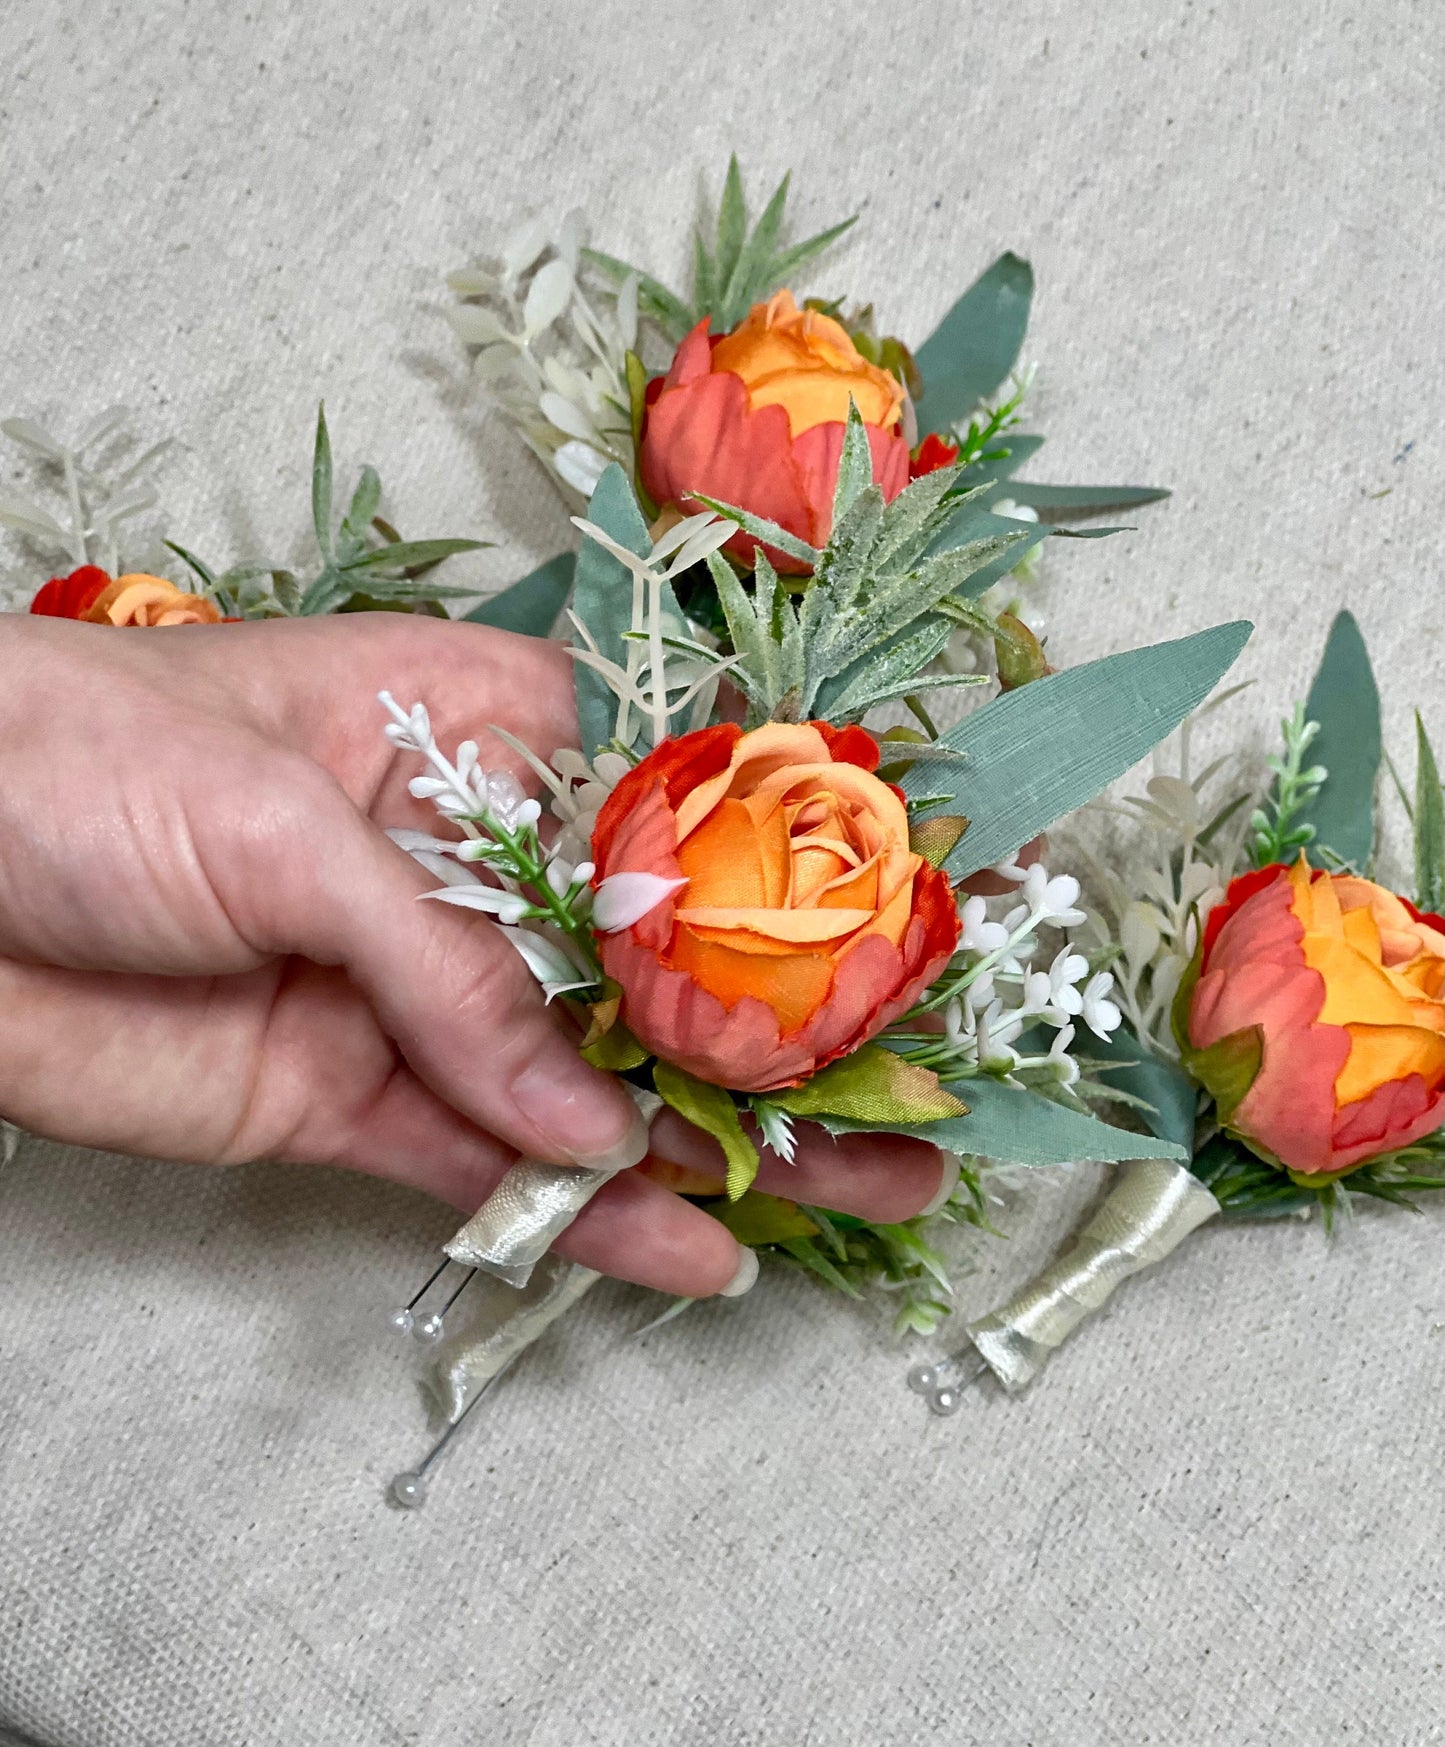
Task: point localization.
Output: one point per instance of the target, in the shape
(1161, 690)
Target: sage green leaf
(1429, 825)
(1039, 752)
(976, 344)
(784, 266)
(1345, 701)
(530, 606)
(711, 1109)
(982, 524)
(1054, 502)
(1169, 1094)
(751, 270)
(704, 275)
(321, 484)
(1024, 1128)
(872, 1088)
(411, 555)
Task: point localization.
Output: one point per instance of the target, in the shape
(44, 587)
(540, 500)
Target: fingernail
(952, 1171)
(746, 1277)
(579, 1123)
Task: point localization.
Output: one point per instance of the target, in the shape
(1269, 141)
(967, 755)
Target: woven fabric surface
(1217, 1519)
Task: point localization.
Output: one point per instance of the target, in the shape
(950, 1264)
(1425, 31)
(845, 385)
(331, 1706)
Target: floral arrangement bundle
(764, 905)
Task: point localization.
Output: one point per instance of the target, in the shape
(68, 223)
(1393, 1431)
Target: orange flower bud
(757, 417)
(806, 922)
(150, 600)
(1318, 1018)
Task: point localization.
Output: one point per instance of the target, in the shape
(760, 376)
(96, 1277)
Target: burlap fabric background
(1218, 1520)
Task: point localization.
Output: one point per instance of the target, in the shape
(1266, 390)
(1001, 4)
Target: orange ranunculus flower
(1342, 985)
(149, 600)
(756, 418)
(805, 924)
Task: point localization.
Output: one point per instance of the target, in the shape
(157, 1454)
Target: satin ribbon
(1152, 1207)
(504, 1324)
(530, 1209)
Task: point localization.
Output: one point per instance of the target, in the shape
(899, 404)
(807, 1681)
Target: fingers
(447, 987)
(875, 1177)
(636, 1230)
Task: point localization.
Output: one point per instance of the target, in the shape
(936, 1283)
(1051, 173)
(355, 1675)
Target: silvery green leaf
(524, 245)
(471, 281)
(855, 464)
(144, 461)
(784, 266)
(127, 504)
(627, 312)
(1055, 502)
(547, 296)
(859, 699)
(838, 589)
(1345, 700)
(761, 529)
(103, 425)
(580, 465)
(476, 325)
(32, 436)
(27, 517)
(750, 278)
(408, 554)
(914, 517)
(494, 363)
(566, 416)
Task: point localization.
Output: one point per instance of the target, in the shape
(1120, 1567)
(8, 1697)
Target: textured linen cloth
(1218, 1518)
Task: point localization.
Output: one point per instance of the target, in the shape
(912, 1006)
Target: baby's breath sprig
(1276, 837)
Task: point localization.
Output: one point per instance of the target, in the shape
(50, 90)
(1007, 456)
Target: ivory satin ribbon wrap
(504, 1324)
(532, 1206)
(1152, 1207)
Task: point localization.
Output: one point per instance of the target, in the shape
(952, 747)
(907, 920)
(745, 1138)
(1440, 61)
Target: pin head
(408, 1490)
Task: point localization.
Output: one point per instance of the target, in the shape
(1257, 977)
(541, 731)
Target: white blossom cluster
(553, 355)
(994, 990)
(542, 896)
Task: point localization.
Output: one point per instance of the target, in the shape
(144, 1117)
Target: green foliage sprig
(364, 562)
(1277, 835)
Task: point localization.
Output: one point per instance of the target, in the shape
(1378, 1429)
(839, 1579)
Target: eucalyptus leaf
(1053, 502)
(1345, 702)
(976, 344)
(1168, 1095)
(530, 606)
(1039, 752)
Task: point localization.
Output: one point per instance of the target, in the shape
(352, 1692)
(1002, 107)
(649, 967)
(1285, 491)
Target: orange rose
(150, 600)
(1330, 990)
(756, 418)
(803, 923)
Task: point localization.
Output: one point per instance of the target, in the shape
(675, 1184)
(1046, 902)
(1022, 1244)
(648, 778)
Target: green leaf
(1429, 825)
(1054, 502)
(806, 1252)
(1228, 1068)
(732, 224)
(616, 1051)
(784, 266)
(206, 574)
(976, 344)
(321, 484)
(762, 1219)
(670, 313)
(711, 1109)
(755, 258)
(1345, 701)
(1002, 466)
(365, 501)
(872, 1088)
(530, 606)
(1168, 1095)
(411, 555)
(982, 524)
(855, 464)
(1024, 1128)
(761, 529)
(602, 600)
(1035, 754)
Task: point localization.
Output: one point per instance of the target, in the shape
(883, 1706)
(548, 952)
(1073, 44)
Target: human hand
(209, 949)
